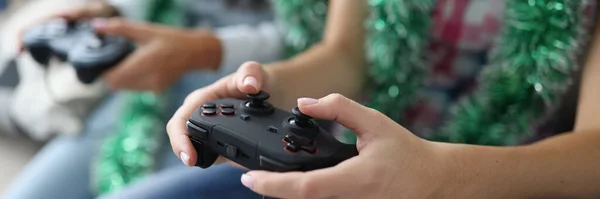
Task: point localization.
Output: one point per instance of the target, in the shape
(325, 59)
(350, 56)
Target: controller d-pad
(226, 105)
(311, 149)
(209, 112)
(297, 143)
(292, 148)
(228, 111)
(209, 105)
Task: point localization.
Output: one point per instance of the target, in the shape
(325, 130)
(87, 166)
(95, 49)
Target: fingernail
(251, 81)
(307, 101)
(247, 181)
(185, 158)
(99, 23)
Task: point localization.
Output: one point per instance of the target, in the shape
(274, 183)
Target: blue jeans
(62, 168)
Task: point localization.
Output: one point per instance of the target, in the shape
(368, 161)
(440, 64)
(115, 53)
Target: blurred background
(29, 103)
(16, 151)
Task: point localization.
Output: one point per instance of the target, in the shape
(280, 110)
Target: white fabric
(52, 101)
(34, 104)
(243, 43)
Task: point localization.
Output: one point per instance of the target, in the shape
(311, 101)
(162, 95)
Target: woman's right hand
(250, 78)
(97, 9)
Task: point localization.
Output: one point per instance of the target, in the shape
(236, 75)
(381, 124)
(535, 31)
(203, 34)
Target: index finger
(348, 176)
(176, 128)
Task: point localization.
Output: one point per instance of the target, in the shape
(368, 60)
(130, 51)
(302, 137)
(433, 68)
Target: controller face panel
(261, 141)
(77, 43)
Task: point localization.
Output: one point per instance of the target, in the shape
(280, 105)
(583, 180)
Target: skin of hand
(250, 78)
(393, 163)
(162, 56)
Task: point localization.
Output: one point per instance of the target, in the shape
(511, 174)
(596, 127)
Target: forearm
(566, 166)
(322, 70)
(336, 65)
(588, 106)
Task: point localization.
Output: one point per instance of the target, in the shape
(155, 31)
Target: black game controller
(77, 43)
(258, 136)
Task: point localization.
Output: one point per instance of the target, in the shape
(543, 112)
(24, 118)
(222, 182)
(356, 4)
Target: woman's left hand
(393, 163)
(162, 56)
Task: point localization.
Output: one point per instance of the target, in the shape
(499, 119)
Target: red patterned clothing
(464, 31)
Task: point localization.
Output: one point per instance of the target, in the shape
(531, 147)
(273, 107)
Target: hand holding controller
(76, 42)
(258, 136)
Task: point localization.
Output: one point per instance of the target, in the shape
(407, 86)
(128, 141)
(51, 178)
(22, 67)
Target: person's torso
(221, 13)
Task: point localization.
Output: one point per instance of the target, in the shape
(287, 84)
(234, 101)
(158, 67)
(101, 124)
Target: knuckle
(250, 66)
(169, 126)
(336, 98)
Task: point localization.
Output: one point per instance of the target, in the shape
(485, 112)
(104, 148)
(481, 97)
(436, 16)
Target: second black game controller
(76, 42)
(258, 136)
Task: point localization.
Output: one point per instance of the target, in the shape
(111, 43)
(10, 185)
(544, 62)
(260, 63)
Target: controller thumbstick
(257, 100)
(300, 118)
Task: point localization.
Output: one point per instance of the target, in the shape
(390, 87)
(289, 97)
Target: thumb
(138, 32)
(344, 111)
(249, 78)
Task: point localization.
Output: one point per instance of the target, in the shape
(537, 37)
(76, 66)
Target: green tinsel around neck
(531, 68)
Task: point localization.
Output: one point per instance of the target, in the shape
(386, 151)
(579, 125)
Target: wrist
(103, 9)
(483, 172)
(206, 51)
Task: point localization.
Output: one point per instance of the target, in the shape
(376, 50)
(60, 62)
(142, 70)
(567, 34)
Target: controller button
(232, 151)
(309, 149)
(209, 105)
(209, 112)
(287, 139)
(272, 129)
(228, 111)
(292, 148)
(196, 131)
(226, 105)
(273, 165)
(245, 117)
(94, 43)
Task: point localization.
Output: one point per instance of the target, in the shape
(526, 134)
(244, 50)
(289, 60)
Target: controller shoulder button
(196, 131)
(273, 165)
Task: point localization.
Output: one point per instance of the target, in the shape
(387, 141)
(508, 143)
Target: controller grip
(206, 157)
(346, 151)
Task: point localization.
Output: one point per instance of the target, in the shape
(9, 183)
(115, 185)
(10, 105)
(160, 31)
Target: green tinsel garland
(397, 43)
(530, 69)
(303, 22)
(129, 153)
